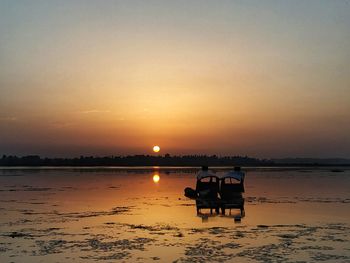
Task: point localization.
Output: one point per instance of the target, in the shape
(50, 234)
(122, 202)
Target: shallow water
(113, 214)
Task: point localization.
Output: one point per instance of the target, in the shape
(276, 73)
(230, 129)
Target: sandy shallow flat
(109, 215)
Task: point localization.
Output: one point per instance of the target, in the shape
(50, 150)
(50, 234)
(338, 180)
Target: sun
(156, 148)
(156, 178)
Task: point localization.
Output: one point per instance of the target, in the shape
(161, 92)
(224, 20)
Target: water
(114, 214)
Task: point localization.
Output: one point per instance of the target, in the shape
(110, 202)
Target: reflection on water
(156, 178)
(109, 215)
(207, 208)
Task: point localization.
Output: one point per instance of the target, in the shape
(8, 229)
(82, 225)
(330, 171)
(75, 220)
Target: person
(204, 173)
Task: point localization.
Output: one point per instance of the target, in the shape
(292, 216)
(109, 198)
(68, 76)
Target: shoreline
(144, 167)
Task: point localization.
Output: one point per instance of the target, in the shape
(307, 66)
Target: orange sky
(261, 78)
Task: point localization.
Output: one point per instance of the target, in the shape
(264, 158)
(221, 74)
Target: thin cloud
(8, 119)
(59, 125)
(95, 111)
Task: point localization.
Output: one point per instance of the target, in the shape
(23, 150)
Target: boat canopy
(238, 175)
(202, 174)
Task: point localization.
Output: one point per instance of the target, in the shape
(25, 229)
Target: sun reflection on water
(156, 178)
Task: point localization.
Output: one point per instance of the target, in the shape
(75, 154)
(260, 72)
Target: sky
(260, 78)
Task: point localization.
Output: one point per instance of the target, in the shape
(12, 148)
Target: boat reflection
(209, 208)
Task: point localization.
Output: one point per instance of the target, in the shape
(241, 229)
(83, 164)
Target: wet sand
(109, 215)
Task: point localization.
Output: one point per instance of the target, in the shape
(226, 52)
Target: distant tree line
(167, 160)
(136, 160)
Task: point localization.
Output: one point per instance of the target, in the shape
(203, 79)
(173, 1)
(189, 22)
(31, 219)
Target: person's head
(204, 168)
(237, 169)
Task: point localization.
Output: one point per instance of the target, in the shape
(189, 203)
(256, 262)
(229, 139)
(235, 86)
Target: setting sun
(156, 148)
(156, 178)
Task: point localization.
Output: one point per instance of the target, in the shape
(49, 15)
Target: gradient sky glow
(262, 78)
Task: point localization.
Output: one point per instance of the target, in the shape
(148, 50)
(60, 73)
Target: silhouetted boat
(207, 185)
(214, 193)
(232, 189)
(207, 188)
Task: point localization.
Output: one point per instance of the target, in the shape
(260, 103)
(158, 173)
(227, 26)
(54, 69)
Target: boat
(232, 189)
(207, 188)
(214, 193)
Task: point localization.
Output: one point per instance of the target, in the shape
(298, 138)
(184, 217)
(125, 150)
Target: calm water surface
(128, 215)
